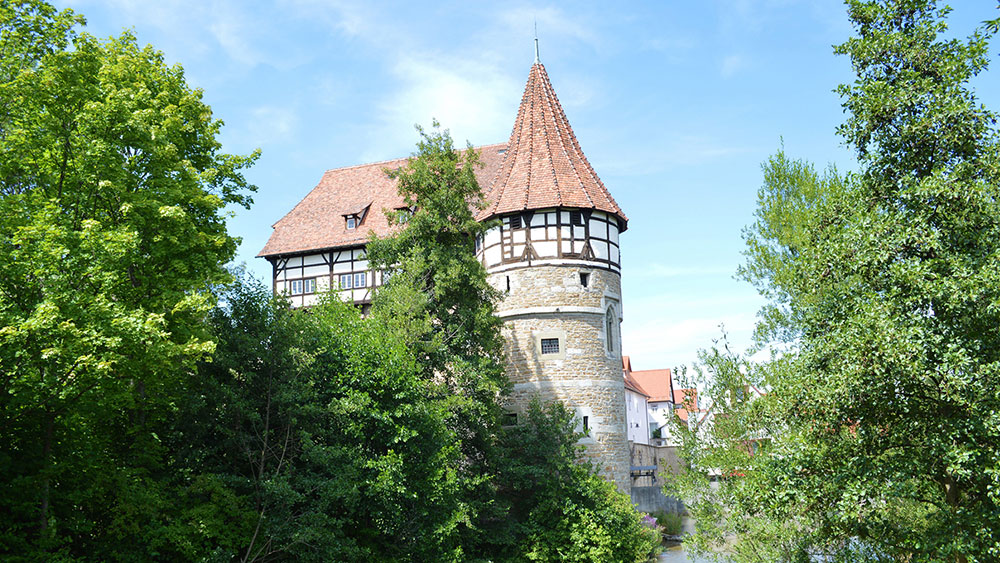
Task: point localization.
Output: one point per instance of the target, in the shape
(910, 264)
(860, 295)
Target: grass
(671, 521)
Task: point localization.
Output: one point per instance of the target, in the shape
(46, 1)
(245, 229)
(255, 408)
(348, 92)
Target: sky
(675, 103)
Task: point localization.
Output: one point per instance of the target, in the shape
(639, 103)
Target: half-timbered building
(555, 254)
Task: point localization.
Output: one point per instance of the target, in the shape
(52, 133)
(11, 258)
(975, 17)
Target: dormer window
(354, 217)
(403, 214)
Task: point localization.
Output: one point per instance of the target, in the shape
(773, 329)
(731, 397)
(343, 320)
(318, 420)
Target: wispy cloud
(200, 27)
(272, 124)
(665, 342)
(668, 271)
(733, 64)
(670, 151)
(470, 99)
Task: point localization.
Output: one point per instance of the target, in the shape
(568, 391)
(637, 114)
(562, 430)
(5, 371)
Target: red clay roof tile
(317, 222)
(545, 166)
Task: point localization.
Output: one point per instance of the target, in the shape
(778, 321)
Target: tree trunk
(952, 496)
(43, 513)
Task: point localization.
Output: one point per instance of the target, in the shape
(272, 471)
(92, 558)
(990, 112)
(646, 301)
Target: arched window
(610, 328)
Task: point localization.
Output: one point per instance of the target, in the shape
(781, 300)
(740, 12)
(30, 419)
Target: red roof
(545, 166)
(318, 222)
(681, 400)
(656, 384)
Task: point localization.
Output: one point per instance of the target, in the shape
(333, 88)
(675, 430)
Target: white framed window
(352, 222)
(345, 281)
(360, 279)
(309, 285)
(296, 287)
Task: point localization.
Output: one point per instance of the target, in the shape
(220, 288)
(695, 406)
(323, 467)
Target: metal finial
(536, 41)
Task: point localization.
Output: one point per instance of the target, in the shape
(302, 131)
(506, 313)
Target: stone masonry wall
(585, 375)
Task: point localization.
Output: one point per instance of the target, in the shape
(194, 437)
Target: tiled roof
(633, 385)
(545, 166)
(656, 384)
(681, 400)
(317, 222)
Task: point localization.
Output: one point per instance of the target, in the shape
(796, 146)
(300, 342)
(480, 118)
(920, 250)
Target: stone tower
(556, 257)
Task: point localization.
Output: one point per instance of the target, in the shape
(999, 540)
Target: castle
(555, 255)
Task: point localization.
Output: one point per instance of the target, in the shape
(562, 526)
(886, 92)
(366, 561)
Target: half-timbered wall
(550, 235)
(303, 278)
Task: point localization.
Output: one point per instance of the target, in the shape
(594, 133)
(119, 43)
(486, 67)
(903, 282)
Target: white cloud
(271, 124)
(733, 64)
(662, 342)
(354, 19)
(668, 151)
(472, 99)
(665, 271)
(197, 27)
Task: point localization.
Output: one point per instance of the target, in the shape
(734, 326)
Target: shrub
(561, 510)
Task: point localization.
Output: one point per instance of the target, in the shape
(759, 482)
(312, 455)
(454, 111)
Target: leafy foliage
(322, 426)
(878, 435)
(112, 189)
(441, 306)
(558, 508)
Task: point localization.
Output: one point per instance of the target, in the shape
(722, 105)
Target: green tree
(556, 506)
(523, 493)
(881, 415)
(112, 191)
(443, 308)
(317, 438)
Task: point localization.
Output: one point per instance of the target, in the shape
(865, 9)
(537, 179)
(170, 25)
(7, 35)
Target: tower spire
(536, 42)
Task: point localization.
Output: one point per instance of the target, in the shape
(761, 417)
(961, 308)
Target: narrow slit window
(550, 346)
(586, 423)
(611, 329)
(585, 279)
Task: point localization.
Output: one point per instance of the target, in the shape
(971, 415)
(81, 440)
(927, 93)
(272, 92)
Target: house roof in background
(656, 384)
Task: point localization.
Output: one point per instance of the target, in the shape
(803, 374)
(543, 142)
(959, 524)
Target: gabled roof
(317, 222)
(656, 383)
(630, 382)
(545, 166)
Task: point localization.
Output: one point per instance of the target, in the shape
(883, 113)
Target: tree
(524, 492)
(317, 439)
(881, 408)
(442, 306)
(112, 190)
(556, 506)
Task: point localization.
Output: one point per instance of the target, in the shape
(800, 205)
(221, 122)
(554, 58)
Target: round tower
(556, 257)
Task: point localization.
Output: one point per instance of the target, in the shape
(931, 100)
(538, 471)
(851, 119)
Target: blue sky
(676, 104)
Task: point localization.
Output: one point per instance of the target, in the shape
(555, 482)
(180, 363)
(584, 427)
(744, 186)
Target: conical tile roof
(544, 166)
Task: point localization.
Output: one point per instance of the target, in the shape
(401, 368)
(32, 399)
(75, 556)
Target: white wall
(636, 417)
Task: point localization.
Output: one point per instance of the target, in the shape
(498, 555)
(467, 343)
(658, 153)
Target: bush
(560, 509)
